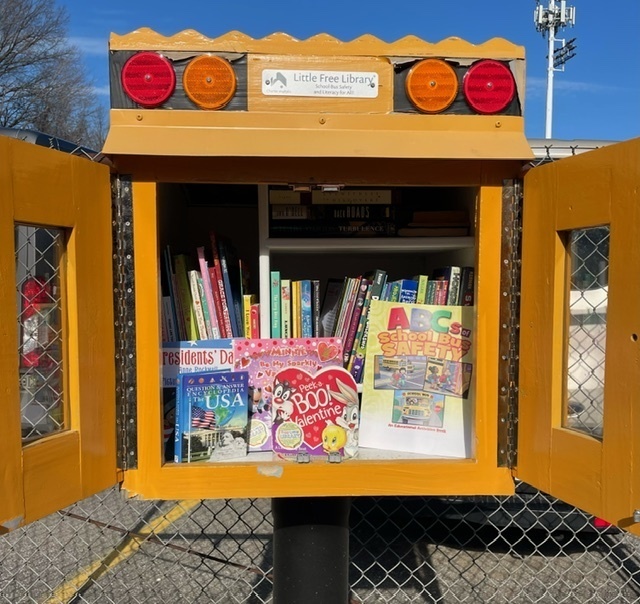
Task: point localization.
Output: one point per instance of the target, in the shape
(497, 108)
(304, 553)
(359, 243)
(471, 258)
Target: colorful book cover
(220, 301)
(315, 306)
(377, 287)
(394, 291)
(196, 303)
(306, 311)
(450, 275)
(208, 293)
(315, 413)
(431, 291)
(441, 292)
(276, 326)
(408, 291)
(354, 321)
(285, 308)
(248, 300)
(362, 322)
(263, 359)
(404, 407)
(212, 416)
(296, 324)
(188, 357)
(255, 321)
(421, 296)
(212, 333)
(347, 306)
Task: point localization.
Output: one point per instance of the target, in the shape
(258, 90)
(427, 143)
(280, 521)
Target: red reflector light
(489, 86)
(599, 523)
(148, 79)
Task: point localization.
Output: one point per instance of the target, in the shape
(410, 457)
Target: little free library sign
(304, 82)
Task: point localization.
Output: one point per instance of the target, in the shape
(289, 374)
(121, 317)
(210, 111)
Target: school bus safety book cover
(417, 381)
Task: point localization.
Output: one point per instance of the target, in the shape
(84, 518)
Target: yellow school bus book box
(201, 130)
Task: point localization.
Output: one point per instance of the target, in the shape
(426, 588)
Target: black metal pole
(311, 550)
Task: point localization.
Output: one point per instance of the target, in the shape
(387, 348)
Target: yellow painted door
(58, 434)
(579, 385)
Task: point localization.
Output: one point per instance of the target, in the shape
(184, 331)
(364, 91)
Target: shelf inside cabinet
(369, 244)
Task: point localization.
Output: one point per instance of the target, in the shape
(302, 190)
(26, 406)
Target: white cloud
(537, 87)
(91, 46)
(101, 90)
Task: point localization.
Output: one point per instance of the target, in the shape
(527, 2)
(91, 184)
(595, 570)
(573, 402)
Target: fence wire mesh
(525, 548)
(528, 548)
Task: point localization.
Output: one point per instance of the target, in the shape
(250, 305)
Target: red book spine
(255, 321)
(222, 312)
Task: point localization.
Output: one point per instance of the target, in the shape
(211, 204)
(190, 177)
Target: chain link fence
(526, 548)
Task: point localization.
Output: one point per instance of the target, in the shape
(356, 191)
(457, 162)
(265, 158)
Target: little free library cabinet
(245, 138)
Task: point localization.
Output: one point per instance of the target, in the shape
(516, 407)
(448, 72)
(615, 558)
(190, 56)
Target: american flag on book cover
(203, 418)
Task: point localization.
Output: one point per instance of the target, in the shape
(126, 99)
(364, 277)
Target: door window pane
(589, 249)
(38, 256)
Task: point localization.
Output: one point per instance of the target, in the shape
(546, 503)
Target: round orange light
(431, 85)
(209, 82)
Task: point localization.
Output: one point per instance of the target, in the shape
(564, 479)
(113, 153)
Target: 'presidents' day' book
(417, 380)
(212, 416)
(188, 357)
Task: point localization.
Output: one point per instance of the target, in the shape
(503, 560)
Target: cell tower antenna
(548, 20)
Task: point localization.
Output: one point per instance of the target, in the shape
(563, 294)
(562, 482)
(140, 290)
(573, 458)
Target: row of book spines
(200, 310)
(295, 307)
(200, 305)
(420, 290)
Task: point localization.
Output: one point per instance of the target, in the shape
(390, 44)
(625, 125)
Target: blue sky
(597, 96)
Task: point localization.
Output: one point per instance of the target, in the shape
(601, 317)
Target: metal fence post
(311, 550)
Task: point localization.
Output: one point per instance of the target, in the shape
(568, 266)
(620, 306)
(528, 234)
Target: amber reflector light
(209, 82)
(488, 86)
(148, 79)
(431, 85)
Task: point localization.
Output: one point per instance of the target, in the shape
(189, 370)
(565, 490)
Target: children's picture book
(416, 393)
(212, 416)
(263, 359)
(188, 357)
(315, 413)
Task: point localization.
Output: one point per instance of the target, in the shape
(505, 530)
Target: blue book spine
(306, 313)
(276, 318)
(408, 291)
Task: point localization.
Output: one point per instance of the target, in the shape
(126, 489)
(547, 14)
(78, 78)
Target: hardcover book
(263, 359)
(306, 309)
(188, 357)
(417, 381)
(357, 366)
(212, 416)
(276, 319)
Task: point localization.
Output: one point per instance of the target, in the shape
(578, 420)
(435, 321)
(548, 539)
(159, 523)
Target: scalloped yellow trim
(320, 44)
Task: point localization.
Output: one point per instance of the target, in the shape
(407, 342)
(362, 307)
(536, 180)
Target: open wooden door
(58, 434)
(579, 403)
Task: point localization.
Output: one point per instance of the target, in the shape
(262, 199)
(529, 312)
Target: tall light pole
(548, 21)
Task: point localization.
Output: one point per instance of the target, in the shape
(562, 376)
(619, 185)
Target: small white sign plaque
(307, 82)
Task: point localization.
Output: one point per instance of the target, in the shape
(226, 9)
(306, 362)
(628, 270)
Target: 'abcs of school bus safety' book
(415, 395)
(212, 416)
(263, 359)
